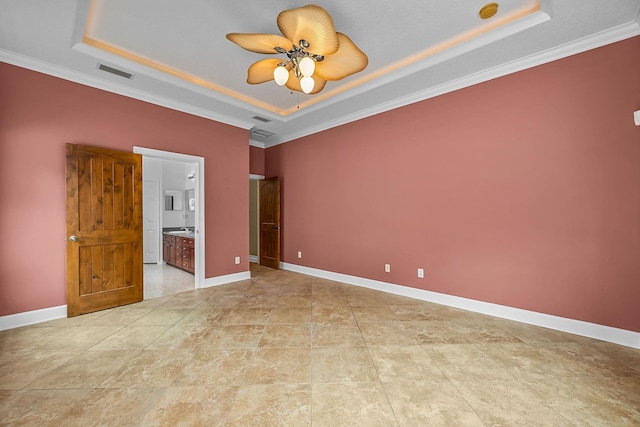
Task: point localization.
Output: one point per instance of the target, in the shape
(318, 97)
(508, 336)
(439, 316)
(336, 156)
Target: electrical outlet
(636, 117)
(299, 254)
(387, 268)
(237, 260)
(421, 273)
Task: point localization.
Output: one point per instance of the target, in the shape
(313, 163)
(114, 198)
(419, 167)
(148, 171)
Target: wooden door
(270, 222)
(104, 228)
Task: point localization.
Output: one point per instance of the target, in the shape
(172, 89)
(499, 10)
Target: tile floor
(162, 279)
(284, 349)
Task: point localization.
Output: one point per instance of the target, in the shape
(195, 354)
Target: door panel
(104, 213)
(270, 222)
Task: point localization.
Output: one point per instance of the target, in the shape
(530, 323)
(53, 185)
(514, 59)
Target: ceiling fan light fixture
(281, 75)
(307, 66)
(320, 55)
(307, 83)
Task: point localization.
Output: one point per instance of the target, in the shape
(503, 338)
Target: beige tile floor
(284, 349)
(162, 279)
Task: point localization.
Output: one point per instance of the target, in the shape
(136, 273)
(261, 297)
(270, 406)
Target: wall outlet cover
(636, 117)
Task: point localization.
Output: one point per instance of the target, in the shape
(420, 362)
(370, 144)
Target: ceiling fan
(315, 52)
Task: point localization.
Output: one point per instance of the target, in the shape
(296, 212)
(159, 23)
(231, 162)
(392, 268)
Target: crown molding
(86, 80)
(258, 144)
(620, 33)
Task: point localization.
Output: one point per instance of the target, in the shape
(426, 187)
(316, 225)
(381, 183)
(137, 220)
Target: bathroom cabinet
(179, 251)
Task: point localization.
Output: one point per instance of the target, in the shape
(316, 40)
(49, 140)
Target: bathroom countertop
(190, 234)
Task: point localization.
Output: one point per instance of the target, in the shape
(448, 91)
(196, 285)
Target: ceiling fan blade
(313, 24)
(262, 71)
(294, 84)
(349, 59)
(260, 43)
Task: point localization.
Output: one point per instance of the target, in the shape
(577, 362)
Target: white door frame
(151, 186)
(199, 212)
(254, 177)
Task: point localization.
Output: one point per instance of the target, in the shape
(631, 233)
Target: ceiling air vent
(115, 71)
(261, 119)
(261, 133)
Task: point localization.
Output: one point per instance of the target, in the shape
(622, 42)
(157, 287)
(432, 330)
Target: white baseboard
(37, 316)
(577, 327)
(228, 278)
(30, 317)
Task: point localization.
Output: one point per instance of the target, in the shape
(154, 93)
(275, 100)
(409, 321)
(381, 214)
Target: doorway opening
(173, 194)
(254, 218)
(264, 221)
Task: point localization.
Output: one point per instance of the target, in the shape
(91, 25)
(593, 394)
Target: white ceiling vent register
(261, 133)
(115, 71)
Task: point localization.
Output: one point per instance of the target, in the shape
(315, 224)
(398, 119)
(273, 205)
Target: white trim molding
(258, 144)
(26, 318)
(594, 41)
(577, 327)
(200, 202)
(17, 320)
(227, 278)
(120, 89)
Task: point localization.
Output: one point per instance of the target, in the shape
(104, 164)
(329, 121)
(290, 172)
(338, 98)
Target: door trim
(199, 213)
(256, 258)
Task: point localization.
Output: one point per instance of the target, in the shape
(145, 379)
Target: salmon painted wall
(522, 191)
(256, 160)
(38, 114)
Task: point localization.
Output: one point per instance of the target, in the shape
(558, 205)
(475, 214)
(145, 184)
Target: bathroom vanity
(178, 250)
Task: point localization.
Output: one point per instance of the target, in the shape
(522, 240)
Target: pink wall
(256, 160)
(521, 191)
(38, 114)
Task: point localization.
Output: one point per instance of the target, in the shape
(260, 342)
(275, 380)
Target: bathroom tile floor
(163, 279)
(284, 349)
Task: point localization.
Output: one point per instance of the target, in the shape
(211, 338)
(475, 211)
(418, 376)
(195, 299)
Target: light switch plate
(636, 117)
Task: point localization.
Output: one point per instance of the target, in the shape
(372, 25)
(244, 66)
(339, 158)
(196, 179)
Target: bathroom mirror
(173, 200)
(191, 200)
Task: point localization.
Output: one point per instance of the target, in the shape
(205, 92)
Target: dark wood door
(270, 222)
(104, 228)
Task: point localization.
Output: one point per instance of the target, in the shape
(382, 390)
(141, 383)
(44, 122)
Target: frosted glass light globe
(281, 75)
(307, 66)
(306, 84)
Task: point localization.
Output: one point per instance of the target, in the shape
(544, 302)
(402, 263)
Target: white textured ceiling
(180, 57)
